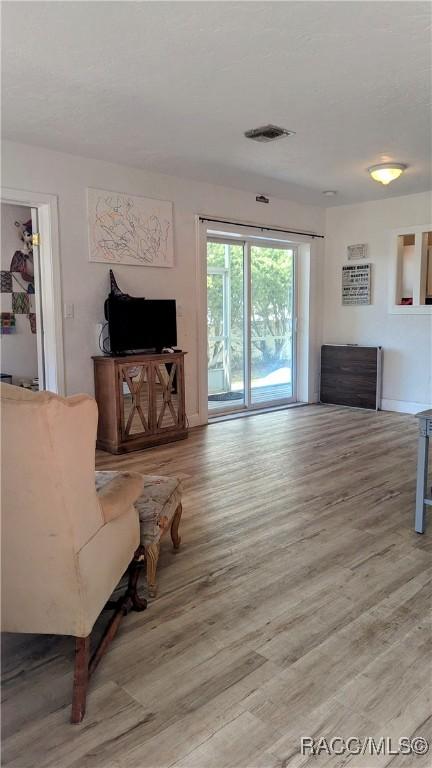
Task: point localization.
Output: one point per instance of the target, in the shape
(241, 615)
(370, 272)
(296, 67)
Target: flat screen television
(140, 325)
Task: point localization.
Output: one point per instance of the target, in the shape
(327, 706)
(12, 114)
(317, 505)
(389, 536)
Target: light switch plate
(68, 312)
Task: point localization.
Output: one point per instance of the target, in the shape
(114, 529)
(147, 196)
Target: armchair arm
(117, 496)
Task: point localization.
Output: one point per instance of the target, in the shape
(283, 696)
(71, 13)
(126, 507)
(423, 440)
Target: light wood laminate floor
(298, 605)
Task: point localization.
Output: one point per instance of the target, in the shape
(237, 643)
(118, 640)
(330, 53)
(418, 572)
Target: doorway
(20, 318)
(251, 329)
(47, 285)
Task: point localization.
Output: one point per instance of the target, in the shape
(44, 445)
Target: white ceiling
(172, 86)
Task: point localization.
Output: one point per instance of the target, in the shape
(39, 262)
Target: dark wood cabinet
(351, 375)
(141, 400)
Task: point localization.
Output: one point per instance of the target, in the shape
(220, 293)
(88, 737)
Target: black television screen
(141, 325)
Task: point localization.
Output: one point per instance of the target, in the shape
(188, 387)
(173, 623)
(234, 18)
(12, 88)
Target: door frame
(248, 242)
(38, 302)
(50, 277)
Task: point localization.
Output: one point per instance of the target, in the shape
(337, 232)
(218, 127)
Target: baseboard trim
(403, 406)
(194, 420)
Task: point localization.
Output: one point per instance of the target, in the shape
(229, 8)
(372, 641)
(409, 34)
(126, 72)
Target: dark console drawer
(351, 375)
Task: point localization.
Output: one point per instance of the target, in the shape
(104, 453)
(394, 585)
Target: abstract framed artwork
(129, 229)
(5, 281)
(20, 303)
(7, 323)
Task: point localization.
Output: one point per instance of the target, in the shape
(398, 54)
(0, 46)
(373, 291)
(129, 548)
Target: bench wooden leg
(176, 539)
(138, 603)
(152, 557)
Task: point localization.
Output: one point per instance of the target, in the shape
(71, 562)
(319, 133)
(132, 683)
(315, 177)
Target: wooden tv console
(141, 400)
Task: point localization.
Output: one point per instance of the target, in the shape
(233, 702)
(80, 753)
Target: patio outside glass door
(271, 316)
(250, 325)
(225, 326)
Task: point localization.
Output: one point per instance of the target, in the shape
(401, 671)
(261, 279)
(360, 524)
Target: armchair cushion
(117, 491)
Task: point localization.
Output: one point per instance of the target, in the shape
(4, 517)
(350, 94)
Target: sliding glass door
(225, 325)
(271, 318)
(250, 325)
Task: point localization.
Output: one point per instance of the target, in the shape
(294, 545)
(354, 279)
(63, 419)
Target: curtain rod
(262, 229)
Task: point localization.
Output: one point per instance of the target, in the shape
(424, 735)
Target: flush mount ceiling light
(330, 192)
(386, 172)
(267, 133)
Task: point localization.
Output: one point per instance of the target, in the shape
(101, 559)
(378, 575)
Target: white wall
(86, 285)
(19, 349)
(407, 340)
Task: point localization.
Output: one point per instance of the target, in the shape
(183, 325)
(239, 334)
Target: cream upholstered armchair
(64, 547)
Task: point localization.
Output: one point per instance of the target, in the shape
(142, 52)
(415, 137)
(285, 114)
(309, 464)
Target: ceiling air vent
(267, 133)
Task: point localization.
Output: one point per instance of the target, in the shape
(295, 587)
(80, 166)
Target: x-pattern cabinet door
(135, 399)
(167, 395)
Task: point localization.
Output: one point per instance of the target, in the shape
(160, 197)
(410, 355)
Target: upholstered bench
(159, 508)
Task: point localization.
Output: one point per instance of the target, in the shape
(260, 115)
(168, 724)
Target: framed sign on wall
(356, 284)
(357, 251)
